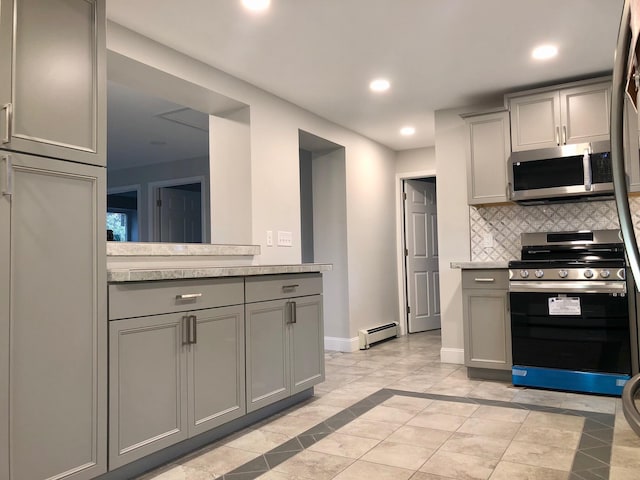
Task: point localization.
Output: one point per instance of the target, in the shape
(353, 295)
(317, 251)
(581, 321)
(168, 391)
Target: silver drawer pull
(188, 296)
(290, 287)
(484, 280)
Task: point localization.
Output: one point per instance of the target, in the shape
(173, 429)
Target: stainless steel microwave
(565, 173)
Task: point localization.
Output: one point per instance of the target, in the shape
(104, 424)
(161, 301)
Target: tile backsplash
(495, 230)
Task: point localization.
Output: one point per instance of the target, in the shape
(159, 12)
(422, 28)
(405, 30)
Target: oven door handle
(576, 287)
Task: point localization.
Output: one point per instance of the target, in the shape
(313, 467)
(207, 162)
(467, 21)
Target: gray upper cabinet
(488, 150)
(284, 337)
(53, 375)
(578, 113)
(52, 78)
(173, 375)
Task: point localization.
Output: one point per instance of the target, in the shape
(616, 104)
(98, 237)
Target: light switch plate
(285, 239)
(269, 238)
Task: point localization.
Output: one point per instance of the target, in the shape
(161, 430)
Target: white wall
(330, 242)
(230, 153)
(453, 226)
(416, 160)
(275, 197)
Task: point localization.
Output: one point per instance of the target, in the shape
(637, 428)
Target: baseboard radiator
(369, 336)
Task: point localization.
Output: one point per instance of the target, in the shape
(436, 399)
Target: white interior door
(180, 215)
(421, 249)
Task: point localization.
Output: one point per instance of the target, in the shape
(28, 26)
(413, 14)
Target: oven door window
(595, 340)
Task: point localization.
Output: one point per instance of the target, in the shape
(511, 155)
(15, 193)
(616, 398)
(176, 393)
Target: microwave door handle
(586, 165)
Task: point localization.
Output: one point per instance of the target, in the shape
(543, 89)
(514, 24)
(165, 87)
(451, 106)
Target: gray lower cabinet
(53, 78)
(284, 337)
(486, 320)
(53, 331)
(175, 375)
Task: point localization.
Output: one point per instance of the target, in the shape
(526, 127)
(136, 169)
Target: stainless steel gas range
(572, 318)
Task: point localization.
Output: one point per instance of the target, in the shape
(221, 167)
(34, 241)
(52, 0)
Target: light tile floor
(396, 412)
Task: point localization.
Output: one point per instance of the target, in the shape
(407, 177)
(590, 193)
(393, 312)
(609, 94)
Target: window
(118, 223)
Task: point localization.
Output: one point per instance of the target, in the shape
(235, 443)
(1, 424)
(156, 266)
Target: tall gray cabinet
(52, 240)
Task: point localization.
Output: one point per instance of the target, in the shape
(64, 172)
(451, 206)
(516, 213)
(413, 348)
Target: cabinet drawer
(487, 279)
(274, 287)
(128, 300)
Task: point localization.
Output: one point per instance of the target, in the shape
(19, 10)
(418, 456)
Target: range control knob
(524, 273)
(539, 273)
(588, 274)
(563, 273)
(605, 273)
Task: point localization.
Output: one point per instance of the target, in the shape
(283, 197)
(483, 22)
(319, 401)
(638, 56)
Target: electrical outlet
(285, 239)
(269, 238)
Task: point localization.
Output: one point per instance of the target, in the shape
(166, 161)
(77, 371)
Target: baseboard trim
(340, 344)
(452, 355)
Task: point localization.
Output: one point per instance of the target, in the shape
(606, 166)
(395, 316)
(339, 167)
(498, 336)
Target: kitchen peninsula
(203, 342)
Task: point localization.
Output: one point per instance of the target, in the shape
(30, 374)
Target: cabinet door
(631, 146)
(54, 219)
(488, 151)
(487, 325)
(216, 368)
(307, 343)
(147, 386)
(53, 77)
(267, 343)
(535, 121)
(585, 113)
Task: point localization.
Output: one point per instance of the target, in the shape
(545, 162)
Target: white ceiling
(321, 54)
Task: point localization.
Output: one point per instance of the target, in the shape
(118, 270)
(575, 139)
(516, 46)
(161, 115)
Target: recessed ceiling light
(544, 52)
(407, 131)
(379, 85)
(256, 5)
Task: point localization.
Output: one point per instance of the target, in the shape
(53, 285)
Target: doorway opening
(323, 229)
(178, 210)
(420, 271)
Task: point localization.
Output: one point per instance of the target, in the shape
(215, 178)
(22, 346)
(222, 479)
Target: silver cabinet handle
(193, 329)
(290, 287)
(185, 330)
(564, 134)
(7, 188)
(586, 166)
(287, 313)
(188, 296)
(290, 313)
(484, 280)
(8, 115)
(558, 135)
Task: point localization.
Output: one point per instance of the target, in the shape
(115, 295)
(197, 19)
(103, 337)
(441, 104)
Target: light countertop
(170, 273)
(479, 265)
